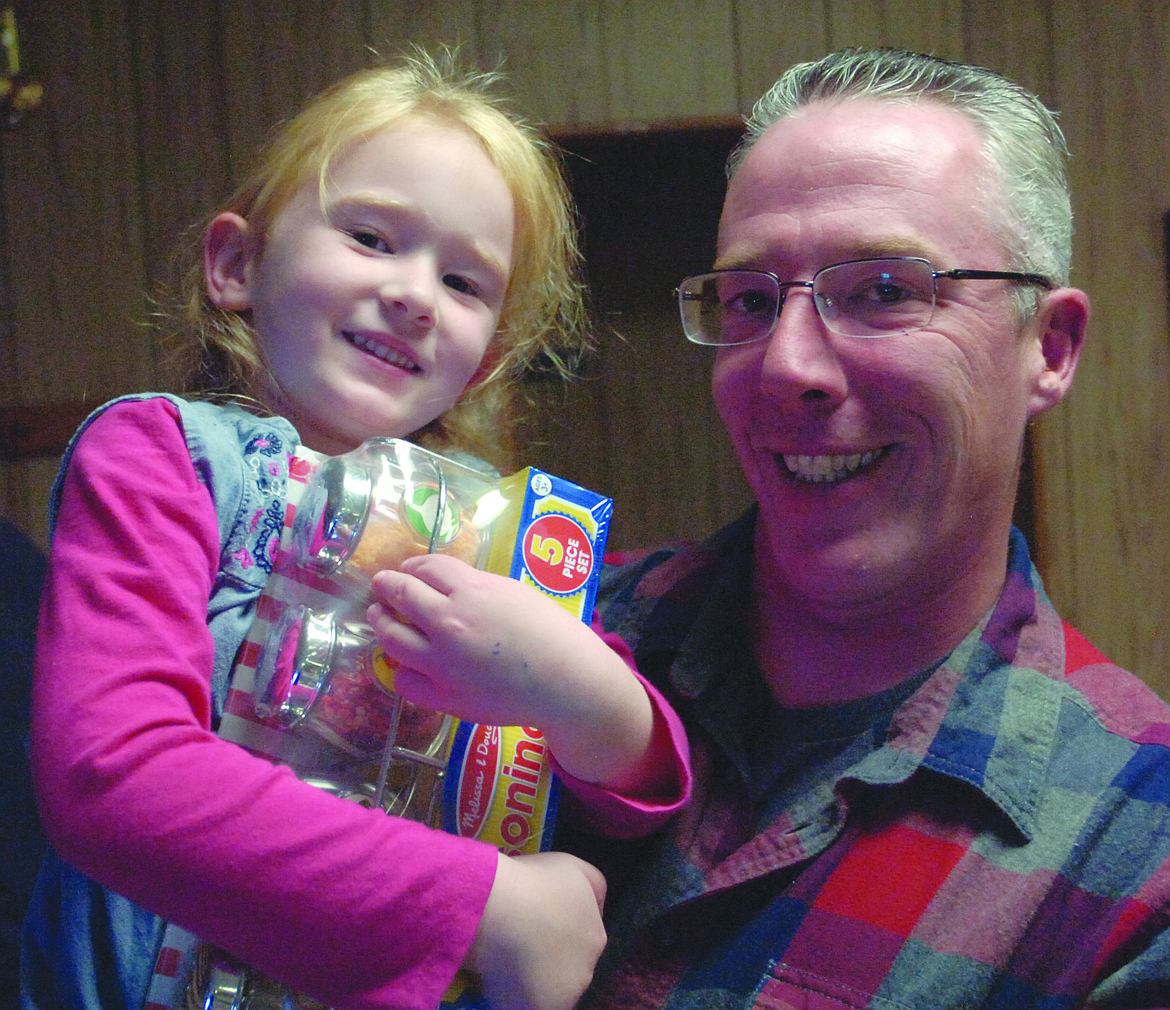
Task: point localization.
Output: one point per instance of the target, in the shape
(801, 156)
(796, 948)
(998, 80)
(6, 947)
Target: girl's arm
(356, 908)
(527, 959)
(493, 650)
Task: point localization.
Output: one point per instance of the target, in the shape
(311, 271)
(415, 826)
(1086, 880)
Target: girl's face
(373, 313)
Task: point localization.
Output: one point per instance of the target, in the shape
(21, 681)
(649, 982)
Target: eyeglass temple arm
(996, 275)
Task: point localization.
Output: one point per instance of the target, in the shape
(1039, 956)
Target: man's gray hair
(1027, 186)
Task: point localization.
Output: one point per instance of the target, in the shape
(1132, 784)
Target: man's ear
(228, 251)
(1059, 325)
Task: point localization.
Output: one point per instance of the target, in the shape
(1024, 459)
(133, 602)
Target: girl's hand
(541, 932)
(479, 646)
(492, 650)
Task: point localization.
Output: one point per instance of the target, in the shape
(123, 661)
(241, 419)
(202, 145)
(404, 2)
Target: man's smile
(829, 469)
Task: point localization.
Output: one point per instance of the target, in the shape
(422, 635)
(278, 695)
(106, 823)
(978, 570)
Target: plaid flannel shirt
(995, 833)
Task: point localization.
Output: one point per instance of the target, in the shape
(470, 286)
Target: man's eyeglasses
(860, 298)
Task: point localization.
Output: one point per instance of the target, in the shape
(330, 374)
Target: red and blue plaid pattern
(996, 837)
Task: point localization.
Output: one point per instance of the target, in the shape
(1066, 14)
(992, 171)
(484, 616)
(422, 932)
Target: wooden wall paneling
(770, 37)
(855, 24)
(396, 24)
(669, 457)
(74, 269)
(185, 163)
(615, 64)
(275, 55)
(933, 26)
(14, 161)
(22, 153)
(39, 475)
(74, 212)
(555, 56)
(1086, 445)
(24, 495)
(641, 425)
(1014, 39)
(669, 59)
(1106, 487)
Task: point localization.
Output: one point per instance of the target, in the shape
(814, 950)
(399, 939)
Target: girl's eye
(461, 284)
(371, 240)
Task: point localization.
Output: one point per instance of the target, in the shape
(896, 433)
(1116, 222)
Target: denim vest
(86, 948)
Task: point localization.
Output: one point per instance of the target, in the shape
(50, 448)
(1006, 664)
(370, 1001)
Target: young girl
(402, 252)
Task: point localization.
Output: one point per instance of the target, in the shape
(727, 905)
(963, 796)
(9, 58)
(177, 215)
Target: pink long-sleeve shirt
(357, 908)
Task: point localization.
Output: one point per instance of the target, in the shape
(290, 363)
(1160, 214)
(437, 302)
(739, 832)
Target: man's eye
(880, 292)
(751, 303)
(888, 293)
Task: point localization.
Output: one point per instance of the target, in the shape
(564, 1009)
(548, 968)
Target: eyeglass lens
(862, 298)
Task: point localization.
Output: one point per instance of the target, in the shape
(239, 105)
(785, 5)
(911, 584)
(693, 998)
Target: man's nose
(801, 362)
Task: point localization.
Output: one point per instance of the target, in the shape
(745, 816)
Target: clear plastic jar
(371, 509)
(333, 678)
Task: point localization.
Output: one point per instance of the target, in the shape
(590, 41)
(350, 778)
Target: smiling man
(915, 785)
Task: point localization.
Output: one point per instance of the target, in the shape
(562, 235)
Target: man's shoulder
(1121, 701)
(653, 573)
(681, 573)
(652, 598)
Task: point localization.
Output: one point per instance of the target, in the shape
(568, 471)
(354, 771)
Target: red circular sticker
(558, 554)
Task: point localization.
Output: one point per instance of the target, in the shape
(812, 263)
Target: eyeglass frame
(955, 274)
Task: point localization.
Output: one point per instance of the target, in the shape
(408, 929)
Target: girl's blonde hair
(542, 321)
